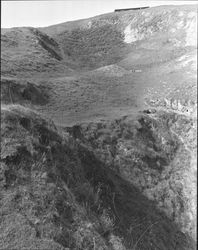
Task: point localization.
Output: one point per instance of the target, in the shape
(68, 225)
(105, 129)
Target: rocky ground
(99, 125)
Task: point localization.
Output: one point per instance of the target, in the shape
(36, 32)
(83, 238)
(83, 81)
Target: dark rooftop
(138, 8)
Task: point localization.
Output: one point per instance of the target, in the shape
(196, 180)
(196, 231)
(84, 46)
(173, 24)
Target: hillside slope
(156, 152)
(109, 38)
(99, 124)
(27, 51)
(55, 194)
(116, 53)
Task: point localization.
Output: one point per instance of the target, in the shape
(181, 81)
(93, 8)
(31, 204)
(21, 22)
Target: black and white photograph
(98, 125)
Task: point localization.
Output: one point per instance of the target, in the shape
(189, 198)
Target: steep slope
(156, 152)
(55, 194)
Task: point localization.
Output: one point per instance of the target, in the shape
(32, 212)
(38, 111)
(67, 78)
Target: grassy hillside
(98, 132)
(26, 50)
(153, 152)
(56, 194)
(103, 40)
(107, 39)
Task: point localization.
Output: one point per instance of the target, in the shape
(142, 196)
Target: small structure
(139, 8)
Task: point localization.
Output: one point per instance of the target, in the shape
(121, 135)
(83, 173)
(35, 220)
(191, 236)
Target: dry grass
(62, 196)
(147, 151)
(119, 185)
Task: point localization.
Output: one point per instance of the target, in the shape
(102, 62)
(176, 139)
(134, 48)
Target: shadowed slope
(58, 194)
(156, 152)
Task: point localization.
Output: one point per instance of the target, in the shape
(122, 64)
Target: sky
(45, 13)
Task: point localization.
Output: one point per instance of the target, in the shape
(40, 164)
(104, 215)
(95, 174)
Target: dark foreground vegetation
(57, 193)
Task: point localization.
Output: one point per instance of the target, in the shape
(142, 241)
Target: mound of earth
(111, 71)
